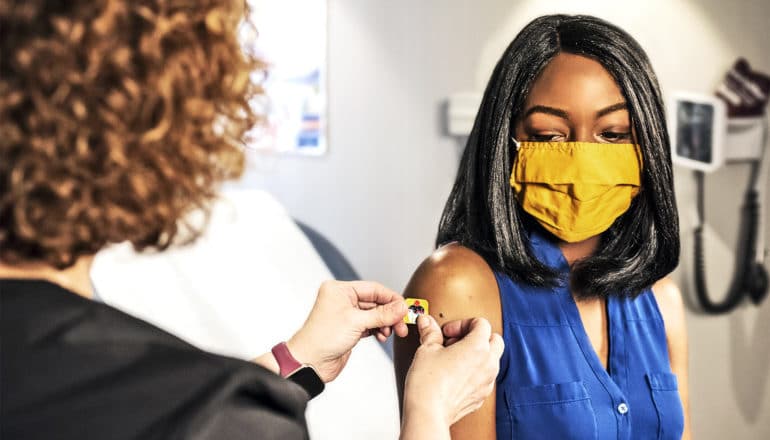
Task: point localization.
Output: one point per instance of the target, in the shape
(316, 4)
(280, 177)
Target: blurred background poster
(289, 36)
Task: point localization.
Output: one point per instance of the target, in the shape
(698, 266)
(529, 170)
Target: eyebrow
(564, 115)
(547, 110)
(611, 109)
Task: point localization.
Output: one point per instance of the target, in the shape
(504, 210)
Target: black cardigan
(71, 368)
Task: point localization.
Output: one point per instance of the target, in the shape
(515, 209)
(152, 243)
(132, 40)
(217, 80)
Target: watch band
(302, 374)
(286, 362)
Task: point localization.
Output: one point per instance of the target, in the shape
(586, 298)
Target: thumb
(430, 332)
(385, 315)
(497, 345)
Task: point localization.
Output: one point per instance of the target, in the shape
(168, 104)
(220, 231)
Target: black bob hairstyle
(482, 213)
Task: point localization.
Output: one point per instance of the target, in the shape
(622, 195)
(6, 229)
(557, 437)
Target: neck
(579, 250)
(75, 278)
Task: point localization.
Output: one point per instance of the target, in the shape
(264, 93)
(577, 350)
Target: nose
(582, 133)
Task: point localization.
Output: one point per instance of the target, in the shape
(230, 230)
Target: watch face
(308, 379)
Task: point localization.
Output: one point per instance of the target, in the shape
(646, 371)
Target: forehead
(574, 83)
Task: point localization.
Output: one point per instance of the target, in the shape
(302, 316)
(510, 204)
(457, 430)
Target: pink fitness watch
(302, 374)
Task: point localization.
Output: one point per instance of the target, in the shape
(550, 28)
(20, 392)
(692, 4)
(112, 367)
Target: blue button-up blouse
(552, 384)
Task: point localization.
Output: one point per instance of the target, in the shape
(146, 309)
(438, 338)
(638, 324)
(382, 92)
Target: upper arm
(458, 284)
(671, 306)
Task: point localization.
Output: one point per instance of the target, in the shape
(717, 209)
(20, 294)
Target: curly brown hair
(117, 119)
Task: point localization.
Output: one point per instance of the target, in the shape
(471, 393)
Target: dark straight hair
(482, 212)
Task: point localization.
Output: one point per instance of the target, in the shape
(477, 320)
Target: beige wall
(378, 194)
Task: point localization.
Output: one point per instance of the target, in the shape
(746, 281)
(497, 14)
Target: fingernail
(422, 322)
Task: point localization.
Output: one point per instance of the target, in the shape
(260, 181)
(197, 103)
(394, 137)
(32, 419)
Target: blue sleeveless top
(552, 384)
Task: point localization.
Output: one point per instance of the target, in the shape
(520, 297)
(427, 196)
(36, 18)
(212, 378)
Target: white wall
(379, 192)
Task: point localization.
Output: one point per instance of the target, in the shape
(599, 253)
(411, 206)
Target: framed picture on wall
(289, 36)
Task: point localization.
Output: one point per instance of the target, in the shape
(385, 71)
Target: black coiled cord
(750, 277)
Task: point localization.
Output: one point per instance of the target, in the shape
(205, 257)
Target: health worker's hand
(445, 383)
(345, 312)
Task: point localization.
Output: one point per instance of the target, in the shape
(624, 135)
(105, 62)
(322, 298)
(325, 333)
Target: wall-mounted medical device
(708, 132)
(697, 125)
(704, 138)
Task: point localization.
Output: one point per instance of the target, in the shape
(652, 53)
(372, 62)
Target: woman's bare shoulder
(671, 306)
(458, 283)
(669, 299)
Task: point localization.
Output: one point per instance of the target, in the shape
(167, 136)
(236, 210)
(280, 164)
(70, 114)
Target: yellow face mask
(576, 190)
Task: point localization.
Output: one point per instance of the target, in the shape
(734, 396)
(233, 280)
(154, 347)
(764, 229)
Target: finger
(457, 328)
(496, 346)
(370, 291)
(366, 305)
(479, 330)
(450, 341)
(382, 334)
(401, 329)
(383, 316)
(430, 332)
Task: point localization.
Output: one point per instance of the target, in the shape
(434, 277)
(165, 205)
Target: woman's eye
(615, 136)
(545, 137)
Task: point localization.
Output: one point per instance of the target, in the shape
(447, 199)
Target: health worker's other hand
(445, 383)
(345, 312)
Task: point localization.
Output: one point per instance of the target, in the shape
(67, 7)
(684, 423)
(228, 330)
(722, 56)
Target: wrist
(302, 351)
(424, 419)
(268, 361)
(304, 375)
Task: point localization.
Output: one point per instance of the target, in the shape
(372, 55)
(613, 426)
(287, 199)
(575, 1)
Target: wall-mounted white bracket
(745, 137)
(461, 113)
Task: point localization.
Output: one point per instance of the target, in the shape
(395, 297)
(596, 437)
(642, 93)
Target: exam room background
(379, 191)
